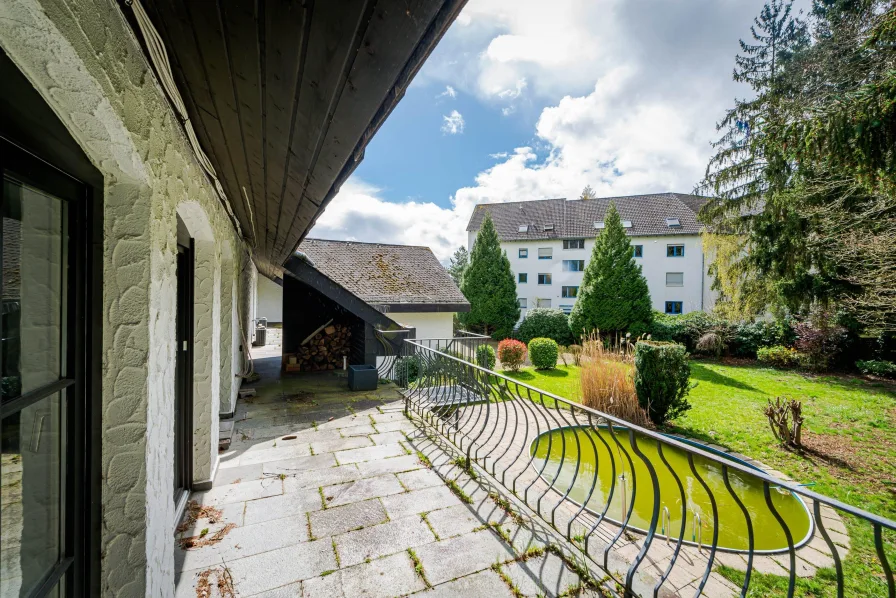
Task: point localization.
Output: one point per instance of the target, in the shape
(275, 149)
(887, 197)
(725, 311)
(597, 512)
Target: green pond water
(767, 532)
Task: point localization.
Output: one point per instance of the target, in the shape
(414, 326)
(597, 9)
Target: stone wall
(86, 63)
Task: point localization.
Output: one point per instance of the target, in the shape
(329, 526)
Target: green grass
(850, 437)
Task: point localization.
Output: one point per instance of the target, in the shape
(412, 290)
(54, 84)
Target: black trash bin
(362, 377)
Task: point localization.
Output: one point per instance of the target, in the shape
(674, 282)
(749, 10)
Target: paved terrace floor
(329, 493)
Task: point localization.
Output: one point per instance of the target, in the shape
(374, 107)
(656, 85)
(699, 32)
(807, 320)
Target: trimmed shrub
(685, 329)
(407, 370)
(662, 379)
(779, 356)
(543, 353)
(512, 354)
(485, 356)
(877, 367)
(545, 322)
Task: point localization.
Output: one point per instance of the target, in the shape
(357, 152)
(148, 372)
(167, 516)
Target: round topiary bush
(547, 323)
(512, 354)
(543, 353)
(662, 379)
(485, 357)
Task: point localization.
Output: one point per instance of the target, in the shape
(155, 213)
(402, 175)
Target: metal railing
(613, 507)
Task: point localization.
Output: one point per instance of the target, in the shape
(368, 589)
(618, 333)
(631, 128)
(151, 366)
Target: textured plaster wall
(226, 341)
(83, 59)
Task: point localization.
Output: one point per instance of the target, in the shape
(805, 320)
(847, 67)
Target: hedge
(547, 323)
(662, 379)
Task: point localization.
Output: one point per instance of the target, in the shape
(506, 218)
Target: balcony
(441, 483)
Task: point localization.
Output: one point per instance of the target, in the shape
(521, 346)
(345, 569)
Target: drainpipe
(702, 273)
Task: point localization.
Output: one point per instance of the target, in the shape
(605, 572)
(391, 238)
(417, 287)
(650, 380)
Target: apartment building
(549, 242)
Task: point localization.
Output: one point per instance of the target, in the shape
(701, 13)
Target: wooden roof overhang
(284, 96)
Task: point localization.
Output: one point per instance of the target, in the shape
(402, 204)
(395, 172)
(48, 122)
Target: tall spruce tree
(458, 264)
(489, 286)
(614, 296)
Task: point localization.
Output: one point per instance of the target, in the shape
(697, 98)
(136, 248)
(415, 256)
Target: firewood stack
(323, 351)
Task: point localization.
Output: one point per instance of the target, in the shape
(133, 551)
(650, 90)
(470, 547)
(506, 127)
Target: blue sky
(622, 95)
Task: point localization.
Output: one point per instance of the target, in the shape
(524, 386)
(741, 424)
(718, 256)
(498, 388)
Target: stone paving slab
(485, 584)
(276, 568)
(244, 541)
(404, 425)
(359, 430)
(387, 577)
(292, 504)
(299, 464)
(546, 575)
(390, 465)
(233, 493)
(454, 521)
(338, 520)
(419, 501)
(320, 477)
(370, 453)
(233, 475)
(387, 437)
(340, 444)
(343, 494)
(419, 479)
(456, 557)
(379, 540)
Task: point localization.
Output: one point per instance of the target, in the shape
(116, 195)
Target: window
(545, 253)
(626, 224)
(569, 292)
(548, 227)
(674, 250)
(673, 307)
(573, 265)
(524, 228)
(598, 224)
(567, 309)
(523, 253)
(522, 278)
(574, 244)
(673, 222)
(544, 279)
(543, 302)
(522, 301)
(674, 279)
(639, 250)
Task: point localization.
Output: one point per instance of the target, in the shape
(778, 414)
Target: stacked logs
(323, 351)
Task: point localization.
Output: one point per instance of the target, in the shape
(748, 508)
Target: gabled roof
(575, 218)
(393, 276)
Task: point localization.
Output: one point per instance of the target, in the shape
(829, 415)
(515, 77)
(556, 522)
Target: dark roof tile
(384, 274)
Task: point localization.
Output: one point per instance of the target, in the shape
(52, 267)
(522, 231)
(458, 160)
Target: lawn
(850, 438)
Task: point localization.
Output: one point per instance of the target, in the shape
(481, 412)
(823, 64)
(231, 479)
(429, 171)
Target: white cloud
(449, 91)
(629, 92)
(453, 123)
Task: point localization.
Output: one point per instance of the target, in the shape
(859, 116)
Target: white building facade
(549, 243)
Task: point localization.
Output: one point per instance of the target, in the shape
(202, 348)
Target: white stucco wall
(270, 300)
(83, 59)
(695, 294)
(428, 324)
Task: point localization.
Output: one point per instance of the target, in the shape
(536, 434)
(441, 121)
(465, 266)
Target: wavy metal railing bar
(495, 420)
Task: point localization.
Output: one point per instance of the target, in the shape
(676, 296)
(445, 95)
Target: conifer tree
(489, 286)
(614, 296)
(458, 264)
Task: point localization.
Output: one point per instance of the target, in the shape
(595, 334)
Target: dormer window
(548, 227)
(524, 228)
(626, 224)
(673, 222)
(599, 224)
